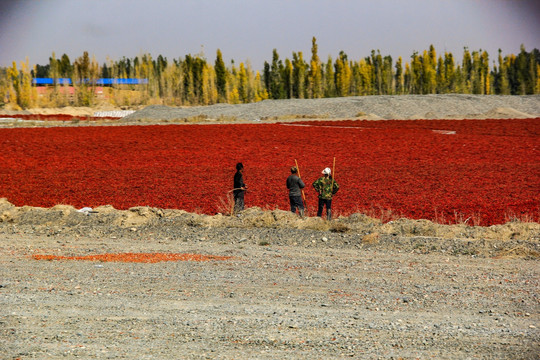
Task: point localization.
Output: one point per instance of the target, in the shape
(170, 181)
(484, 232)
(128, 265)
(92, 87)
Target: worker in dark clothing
(295, 186)
(239, 189)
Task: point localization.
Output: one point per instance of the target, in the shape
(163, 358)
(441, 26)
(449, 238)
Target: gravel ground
(452, 106)
(330, 290)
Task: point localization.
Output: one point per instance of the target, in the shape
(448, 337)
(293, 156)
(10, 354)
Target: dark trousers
(296, 202)
(322, 204)
(239, 201)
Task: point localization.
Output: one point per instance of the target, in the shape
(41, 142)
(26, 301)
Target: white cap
(327, 171)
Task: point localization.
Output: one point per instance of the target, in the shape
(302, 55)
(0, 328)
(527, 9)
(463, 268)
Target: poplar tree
(299, 75)
(329, 79)
(416, 74)
(485, 74)
(266, 77)
(523, 76)
(476, 74)
(376, 76)
(221, 77)
(356, 80)
(440, 79)
(342, 75)
(466, 71)
(14, 85)
(387, 76)
(365, 69)
(54, 73)
(428, 71)
(288, 79)
(449, 73)
(251, 80)
(537, 84)
(81, 80)
(398, 77)
(407, 79)
(277, 88)
(209, 92)
(243, 84)
(143, 68)
(315, 73)
(233, 95)
(189, 83)
(260, 91)
(65, 67)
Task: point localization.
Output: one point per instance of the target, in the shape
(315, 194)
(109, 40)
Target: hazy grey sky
(251, 29)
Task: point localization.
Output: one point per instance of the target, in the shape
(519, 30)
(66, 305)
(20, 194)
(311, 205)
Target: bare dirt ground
(288, 288)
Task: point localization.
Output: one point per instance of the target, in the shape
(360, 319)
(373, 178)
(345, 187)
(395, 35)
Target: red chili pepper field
(481, 172)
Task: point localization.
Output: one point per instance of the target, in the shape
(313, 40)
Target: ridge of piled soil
(515, 238)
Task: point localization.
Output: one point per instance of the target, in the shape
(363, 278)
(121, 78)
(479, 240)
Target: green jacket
(323, 186)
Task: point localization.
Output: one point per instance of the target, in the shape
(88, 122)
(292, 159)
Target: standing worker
(239, 189)
(295, 186)
(326, 187)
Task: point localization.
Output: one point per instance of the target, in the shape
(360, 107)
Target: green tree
(329, 79)
(398, 77)
(449, 73)
(387, 76)
(65, 68)
(440, 79)
(466, 72)
(299, 75)
(485, 73)
(276, 86)
(221, 76)
(416, 74)
(408, 80)
(476, 74)
(288, 78)
(376, 68)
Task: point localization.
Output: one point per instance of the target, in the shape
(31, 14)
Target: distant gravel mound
(449, 106)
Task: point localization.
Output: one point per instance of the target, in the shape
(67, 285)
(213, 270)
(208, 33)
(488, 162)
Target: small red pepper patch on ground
(135, 257)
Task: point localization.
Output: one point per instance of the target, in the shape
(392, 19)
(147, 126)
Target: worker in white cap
(326, 187)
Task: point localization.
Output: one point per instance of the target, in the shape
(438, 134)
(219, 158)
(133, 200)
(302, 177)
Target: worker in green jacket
(326, 187)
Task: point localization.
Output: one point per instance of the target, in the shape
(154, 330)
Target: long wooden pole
(333, 175)
(303, 194)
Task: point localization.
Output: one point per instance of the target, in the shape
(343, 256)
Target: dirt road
(267, 301)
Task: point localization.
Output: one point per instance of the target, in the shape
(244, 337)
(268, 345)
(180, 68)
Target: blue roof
(102, 81)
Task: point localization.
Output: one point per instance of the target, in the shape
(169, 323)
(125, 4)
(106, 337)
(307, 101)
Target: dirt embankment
(516, 239)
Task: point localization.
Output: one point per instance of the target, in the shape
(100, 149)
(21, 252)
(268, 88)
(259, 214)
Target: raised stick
(333, 175)
(303, 195)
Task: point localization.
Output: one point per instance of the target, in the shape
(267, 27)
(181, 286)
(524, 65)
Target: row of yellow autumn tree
(193, 80)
